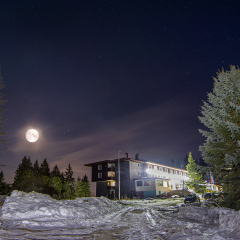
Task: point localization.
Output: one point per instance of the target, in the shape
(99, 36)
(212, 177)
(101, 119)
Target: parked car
(191, 198)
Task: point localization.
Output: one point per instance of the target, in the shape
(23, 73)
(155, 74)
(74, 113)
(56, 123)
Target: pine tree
(24, 169)
(44, 169)
(3, 185)
(82, 188)
(68, 185)
(221, 150)
(24, 179)
(86, 186)
(36, 169)
(196, 182)
(55, 172)
(79, 188)
(69, 174)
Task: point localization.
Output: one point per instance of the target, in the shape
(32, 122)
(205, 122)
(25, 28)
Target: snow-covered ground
(37, 216)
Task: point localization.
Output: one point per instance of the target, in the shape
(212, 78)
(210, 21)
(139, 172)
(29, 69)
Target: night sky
(98, 77)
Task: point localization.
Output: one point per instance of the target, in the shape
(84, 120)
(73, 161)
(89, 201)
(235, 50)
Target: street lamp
(183, 182)
(119, 175)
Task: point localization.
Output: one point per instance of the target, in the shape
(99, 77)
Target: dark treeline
(34, 177)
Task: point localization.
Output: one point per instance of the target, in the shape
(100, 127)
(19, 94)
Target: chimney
(126, 155)
(137, 156)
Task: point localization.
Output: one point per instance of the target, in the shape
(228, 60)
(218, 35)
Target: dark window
(139, 183)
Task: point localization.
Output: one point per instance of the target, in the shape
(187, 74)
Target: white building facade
(177, 177)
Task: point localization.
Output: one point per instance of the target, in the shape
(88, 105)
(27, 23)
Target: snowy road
(141, 220)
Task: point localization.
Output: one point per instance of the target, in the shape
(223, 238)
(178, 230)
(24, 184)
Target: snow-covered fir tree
(221, 116)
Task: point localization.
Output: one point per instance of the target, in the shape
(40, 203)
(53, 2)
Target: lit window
(147, 183)
(110, 165)
(99, 167)
(111, 174)
(100, 175)
(165, 184)
(113, 183)
(160, 183)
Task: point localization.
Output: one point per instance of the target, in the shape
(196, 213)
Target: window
(139, 183)
(138, 173)
(149, 166)
(141, 173)
(111, 174)
(138, 165)
(147, 183)
(160, 183)
(111, 183)
(160, 169)
(110, 165)
(100, 175)
(99, 167)
(165, 184)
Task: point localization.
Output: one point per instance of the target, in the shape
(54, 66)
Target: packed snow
(38, 216)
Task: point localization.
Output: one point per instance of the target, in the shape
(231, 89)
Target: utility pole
(119, 175)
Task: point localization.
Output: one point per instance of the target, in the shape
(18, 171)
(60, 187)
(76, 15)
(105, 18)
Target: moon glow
(32, 135)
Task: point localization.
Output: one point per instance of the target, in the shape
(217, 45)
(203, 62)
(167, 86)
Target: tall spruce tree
(3, 185)
(221, 150)
(44, 168)
(86, 186)
(196, 181)
(82, 188)
(36, 169)
(22, 174)
(55, 172)
(68, 186)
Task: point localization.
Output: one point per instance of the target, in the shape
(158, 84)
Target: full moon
(32, 135)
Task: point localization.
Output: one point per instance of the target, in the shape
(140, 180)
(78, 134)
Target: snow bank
(228, 219)
(41, 210)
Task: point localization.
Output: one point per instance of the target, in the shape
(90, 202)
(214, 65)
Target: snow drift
(228, 219)
(37, 209)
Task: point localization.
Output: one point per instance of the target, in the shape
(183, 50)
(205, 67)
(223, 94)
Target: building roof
(114, 161)
(133, 160)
